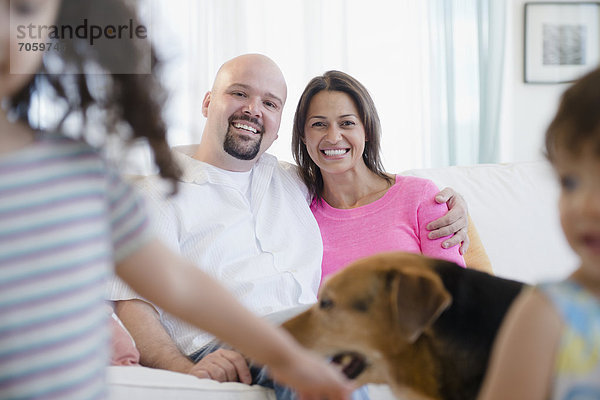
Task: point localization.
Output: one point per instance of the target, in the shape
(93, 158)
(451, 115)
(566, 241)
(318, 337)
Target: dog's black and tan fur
(421, 325)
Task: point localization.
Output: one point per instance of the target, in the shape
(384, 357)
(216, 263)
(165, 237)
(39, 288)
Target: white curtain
(467, 43)
(432, 67)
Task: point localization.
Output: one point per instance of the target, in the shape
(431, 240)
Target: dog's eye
(361, 305)
(325, 304)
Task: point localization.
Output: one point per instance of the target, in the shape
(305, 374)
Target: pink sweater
(395, 222)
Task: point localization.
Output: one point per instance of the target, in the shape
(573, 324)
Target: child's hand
(312, 378)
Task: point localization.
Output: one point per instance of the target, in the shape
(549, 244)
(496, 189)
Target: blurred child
(549, 345)
(66, 218)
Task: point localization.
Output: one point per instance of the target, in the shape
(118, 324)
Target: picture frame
(562, 40)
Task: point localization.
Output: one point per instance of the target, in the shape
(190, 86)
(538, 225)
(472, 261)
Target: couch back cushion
(514, 207)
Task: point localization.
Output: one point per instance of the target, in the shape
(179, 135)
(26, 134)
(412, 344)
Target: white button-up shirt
(265, 249)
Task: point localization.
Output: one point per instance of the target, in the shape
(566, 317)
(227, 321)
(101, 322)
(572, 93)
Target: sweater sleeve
(429, 210)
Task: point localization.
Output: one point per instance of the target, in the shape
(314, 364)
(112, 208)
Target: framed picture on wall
(562, 41)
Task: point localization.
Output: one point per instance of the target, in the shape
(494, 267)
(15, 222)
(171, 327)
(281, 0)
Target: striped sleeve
(55, 254)
(130, 229)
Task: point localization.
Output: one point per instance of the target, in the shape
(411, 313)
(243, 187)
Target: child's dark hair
(91, 81)
(577, 121)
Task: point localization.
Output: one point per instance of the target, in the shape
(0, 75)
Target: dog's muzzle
(353, 364)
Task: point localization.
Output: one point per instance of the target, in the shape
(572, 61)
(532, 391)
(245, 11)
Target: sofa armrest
(476, 256)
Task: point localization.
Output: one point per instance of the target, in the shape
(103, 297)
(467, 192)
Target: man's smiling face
(244, 132)
(245, 106)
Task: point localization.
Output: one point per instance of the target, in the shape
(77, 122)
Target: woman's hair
(103, 81)
(577, 122)
(336, 81)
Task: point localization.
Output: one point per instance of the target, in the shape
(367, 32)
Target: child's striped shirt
(65, 218)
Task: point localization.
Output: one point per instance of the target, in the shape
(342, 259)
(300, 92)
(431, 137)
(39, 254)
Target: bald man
(240, 215)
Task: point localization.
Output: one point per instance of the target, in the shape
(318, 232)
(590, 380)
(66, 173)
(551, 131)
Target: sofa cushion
(136, 382)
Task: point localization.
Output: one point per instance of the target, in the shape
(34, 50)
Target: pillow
(124, 351)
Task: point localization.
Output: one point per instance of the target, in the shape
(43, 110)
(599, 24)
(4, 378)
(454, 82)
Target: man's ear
(417, 299)
(205, 104)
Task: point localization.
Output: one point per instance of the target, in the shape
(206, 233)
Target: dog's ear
(417, 299)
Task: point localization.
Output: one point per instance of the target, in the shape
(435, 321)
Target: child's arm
(522, 362)
(186, 292)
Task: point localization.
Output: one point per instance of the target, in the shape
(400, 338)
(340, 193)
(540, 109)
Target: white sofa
(514, 207)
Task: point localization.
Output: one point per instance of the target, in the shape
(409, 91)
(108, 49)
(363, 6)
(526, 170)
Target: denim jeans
(260, 376)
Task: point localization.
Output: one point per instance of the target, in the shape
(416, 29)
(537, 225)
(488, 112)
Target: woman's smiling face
(334, 133)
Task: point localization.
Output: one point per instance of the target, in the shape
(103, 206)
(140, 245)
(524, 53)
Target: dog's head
(372, 312)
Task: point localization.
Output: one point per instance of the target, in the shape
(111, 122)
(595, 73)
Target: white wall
(527, 108)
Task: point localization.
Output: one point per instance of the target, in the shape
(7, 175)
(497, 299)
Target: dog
(423, 326)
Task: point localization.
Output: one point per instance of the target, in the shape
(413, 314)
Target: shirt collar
(199, 172)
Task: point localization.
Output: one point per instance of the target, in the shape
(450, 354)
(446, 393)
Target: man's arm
(458, 222)
(157, 349)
